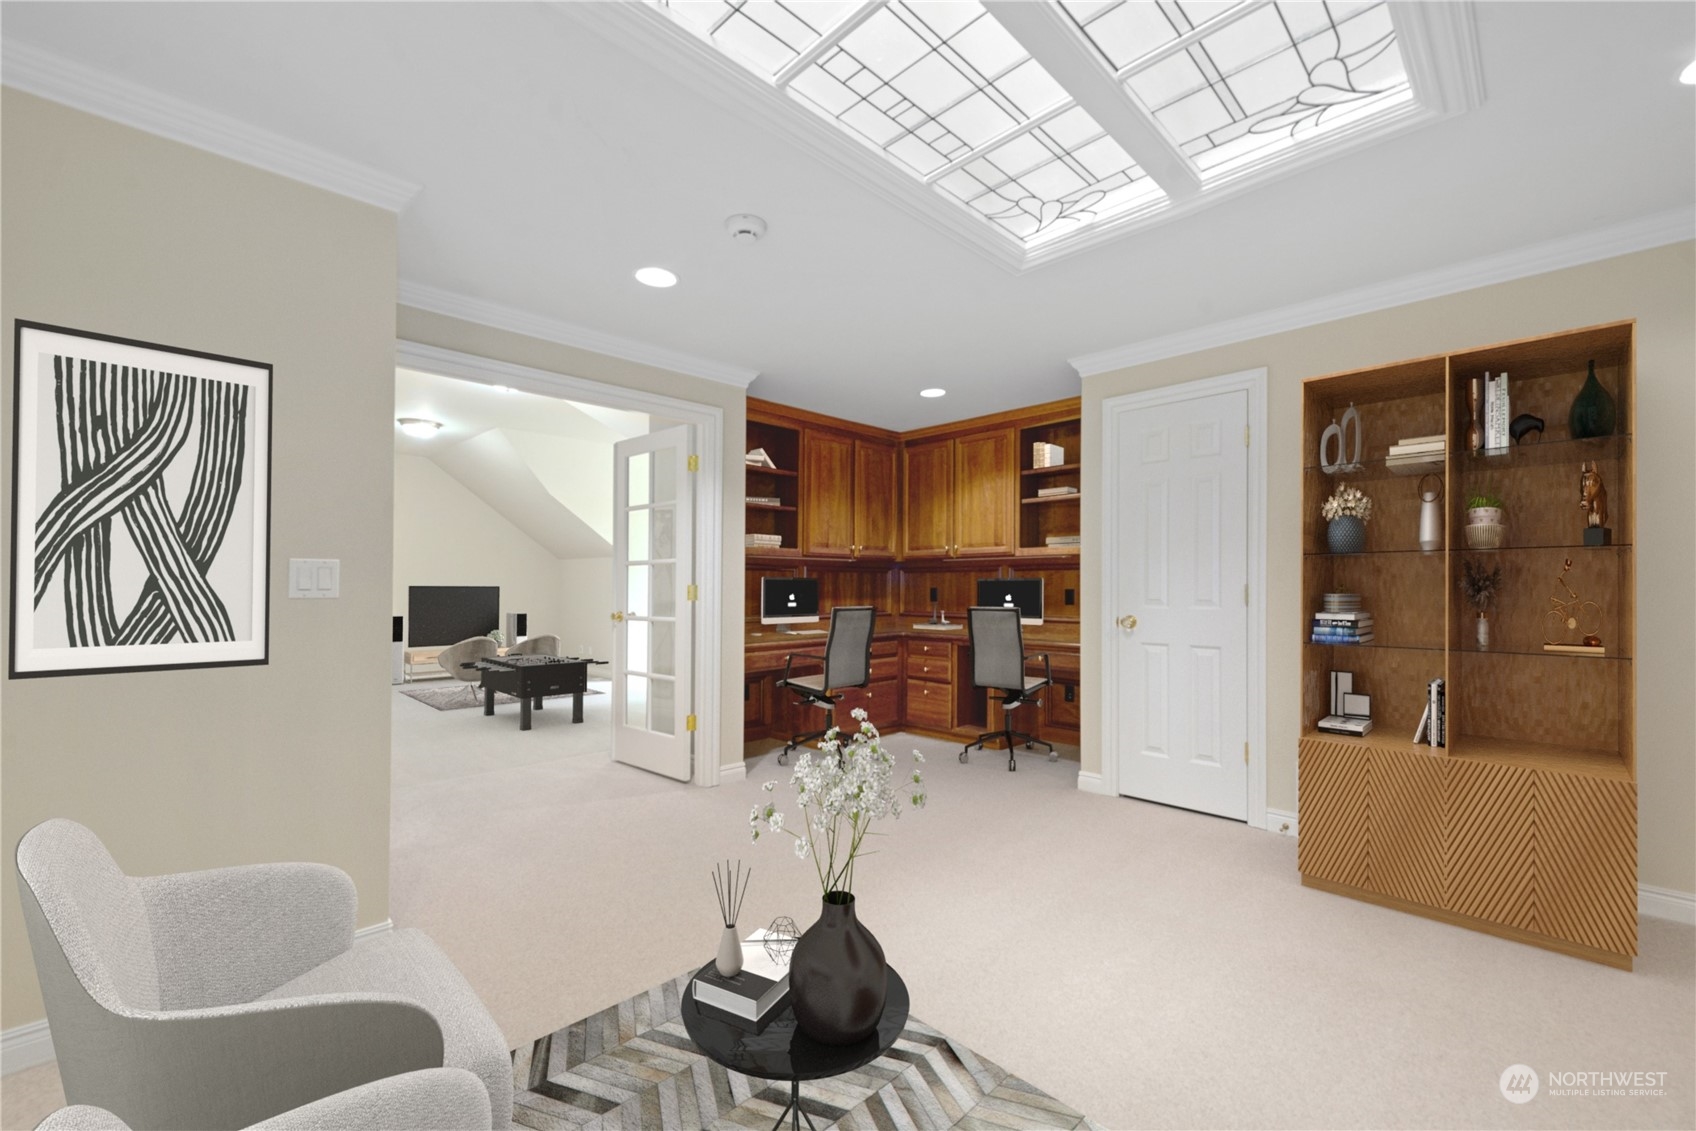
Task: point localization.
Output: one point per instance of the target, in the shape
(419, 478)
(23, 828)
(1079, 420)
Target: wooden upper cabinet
(985, 488)
(875, 489)
(928, 524)
(827, 494)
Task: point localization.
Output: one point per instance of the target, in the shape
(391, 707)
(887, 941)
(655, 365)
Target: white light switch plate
(315, 577)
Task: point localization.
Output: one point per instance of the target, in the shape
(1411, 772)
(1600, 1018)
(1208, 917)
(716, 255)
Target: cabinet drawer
(885, 667)
(929, 648)
(886, 648)
(931, 667)
(930, 705)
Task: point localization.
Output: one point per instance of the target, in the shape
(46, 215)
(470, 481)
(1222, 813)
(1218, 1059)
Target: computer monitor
(1022, 593)
(789, 600)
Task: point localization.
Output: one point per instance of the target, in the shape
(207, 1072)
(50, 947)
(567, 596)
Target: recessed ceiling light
(418, 426)
(1689, 75)
(933, 392)
(656, 277)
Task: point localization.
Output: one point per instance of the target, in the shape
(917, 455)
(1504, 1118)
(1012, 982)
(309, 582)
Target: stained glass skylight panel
(765, 35)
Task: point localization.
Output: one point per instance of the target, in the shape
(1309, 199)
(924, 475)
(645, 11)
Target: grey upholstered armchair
(544, 645)
(448, 1099)
(222, 998)
(469, 650)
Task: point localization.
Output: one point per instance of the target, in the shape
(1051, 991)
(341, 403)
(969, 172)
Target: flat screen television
(438, 615)
(1022, 593)
(789, 600)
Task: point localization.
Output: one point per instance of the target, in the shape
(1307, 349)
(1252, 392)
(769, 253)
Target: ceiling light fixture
(656, 277)
(419, 427)
(1688, 77)
(933, 392)
(745, 227)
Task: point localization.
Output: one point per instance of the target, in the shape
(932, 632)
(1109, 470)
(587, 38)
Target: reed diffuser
(732, 888)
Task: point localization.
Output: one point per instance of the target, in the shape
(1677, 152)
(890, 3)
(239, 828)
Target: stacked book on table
(754, 996)
(764, 541)
(1416, 455)
(1342, 621)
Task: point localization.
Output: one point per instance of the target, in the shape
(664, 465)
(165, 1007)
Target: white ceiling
(554, 162)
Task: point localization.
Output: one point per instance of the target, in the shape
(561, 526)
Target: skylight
(988, 115)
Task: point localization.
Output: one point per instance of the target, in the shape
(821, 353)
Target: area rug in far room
(458, 696)
(633, 1065)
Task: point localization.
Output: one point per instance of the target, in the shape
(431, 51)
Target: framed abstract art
(141, 497)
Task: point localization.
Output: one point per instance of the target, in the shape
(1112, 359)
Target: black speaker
(523, 623)
(400, 631)
(1071, 596)
(933, 596)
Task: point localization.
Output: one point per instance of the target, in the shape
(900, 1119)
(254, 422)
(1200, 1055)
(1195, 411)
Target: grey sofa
(223, 998)
(442, 1099)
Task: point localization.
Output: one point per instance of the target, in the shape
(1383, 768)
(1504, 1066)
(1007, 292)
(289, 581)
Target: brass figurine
(1571, 617)
(1592, 494)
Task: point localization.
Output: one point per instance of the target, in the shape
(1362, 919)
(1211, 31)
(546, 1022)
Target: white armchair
(441, 1099)
(222, 998)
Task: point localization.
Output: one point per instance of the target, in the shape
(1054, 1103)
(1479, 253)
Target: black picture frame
(141, 506)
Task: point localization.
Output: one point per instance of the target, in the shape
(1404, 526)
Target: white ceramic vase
(1483, 632)
(729, 961)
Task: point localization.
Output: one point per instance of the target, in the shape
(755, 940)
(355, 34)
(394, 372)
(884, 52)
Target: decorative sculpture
(1523, 425)
(1593, 501)
(1569, 617)
(1339, 432)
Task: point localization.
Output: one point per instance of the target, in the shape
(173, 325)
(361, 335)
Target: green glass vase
(1592, 410)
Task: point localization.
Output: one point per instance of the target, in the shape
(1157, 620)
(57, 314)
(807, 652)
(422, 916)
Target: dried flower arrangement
(1347, 501)
(1479, 585)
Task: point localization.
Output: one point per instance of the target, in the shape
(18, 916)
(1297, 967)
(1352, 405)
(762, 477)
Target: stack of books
(1434, 723)
(764, 541)
(765, 500)
(1416, 454)
(758, 458)
(1342, 621)
(1047, 455)
(1064, 540)
(1496, 411)
(1049, 492)
(754, 996)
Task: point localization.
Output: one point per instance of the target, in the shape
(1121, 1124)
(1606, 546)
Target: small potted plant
(1479, 585)
(1484, 527)
(1346, 513)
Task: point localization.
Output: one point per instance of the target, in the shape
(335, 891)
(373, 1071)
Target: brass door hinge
(694, 463)
(692, 593)
(1245, 592)
(1245, 439)
(1245, 753)
(689, 723)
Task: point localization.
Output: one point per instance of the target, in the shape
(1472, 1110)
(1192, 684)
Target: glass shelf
(1472, 649)
(1569, 547)
(1377, 647)
(1372, 553)
(1534, 453)
(1373, 470)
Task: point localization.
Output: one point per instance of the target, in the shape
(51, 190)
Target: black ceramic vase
(837, 976)
(1592, 410)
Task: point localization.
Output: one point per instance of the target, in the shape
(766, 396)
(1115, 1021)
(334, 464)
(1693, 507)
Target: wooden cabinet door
(874, 499)
(927, 519)
(827, 494)
(985, 492)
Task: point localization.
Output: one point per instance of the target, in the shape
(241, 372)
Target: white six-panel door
(1179, 564)
(653, 569)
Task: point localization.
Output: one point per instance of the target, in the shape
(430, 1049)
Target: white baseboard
(1092, 783)
(1280, 822)
(26, 1046)
(1664, 903)
(735, 771)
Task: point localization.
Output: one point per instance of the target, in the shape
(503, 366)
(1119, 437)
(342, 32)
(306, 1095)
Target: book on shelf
(1064, 540)
(1046, 492)
(1345, 724)
(758, 458)
(1421, 447)
(1410, 441)
(1577, 649)
(1354, 617)
(1436, 730)
(1424, 724)
(765, 500)
(1047, 455)
(759, 989)
(1318, 638)
(1496, 410)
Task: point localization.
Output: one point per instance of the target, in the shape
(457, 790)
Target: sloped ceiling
(493, 469)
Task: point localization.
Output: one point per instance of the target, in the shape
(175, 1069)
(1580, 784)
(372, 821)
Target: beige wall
(1658, 288)
(585, 622)
(112, 230)
(425, 328)
(445, 535)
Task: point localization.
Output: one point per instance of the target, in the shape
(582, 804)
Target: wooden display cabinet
(1042, 516)
(783, 445)
(1525, 824)
(957, 491)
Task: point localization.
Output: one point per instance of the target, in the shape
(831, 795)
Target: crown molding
(493, 314)
(1442, 54)
(42, 73)
(1567, 251)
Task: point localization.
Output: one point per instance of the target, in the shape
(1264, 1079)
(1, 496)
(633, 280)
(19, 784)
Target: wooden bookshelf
(1525, 823)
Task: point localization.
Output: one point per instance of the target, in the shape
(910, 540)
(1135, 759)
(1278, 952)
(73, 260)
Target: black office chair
(847, 661)
(998, 663)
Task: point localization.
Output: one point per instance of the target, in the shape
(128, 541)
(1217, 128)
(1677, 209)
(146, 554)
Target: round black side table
(781, 1051)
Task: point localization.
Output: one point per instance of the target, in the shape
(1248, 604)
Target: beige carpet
(1153, 967)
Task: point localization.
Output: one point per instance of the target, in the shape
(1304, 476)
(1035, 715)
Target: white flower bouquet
(841, 790)
(1347, 501)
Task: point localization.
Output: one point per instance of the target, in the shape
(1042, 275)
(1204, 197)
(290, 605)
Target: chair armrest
(230, 935)
(433, 1097)
(790, 659)
(82, 1117)
(1047, 670)
(235, 1065)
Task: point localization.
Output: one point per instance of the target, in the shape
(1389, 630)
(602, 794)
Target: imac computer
(785, 601)
(1022, 593)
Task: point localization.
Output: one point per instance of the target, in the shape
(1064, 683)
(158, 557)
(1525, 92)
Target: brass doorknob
(618, 616)
(1127, 621)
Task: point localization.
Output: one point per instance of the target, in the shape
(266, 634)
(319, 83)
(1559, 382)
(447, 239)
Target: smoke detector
(745, 227)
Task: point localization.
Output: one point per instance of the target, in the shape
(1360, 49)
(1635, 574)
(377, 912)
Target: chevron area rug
(633, 1066)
